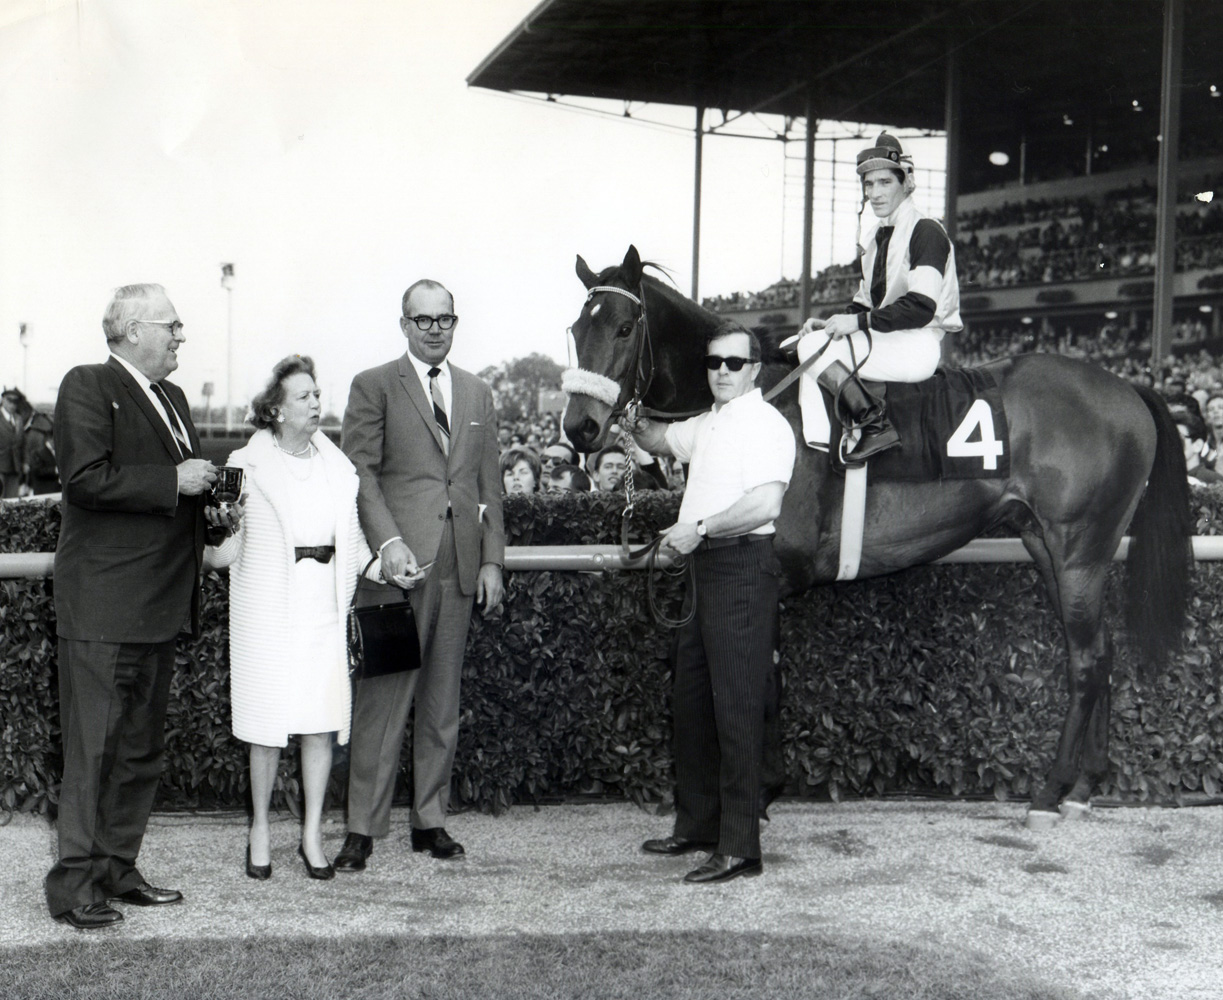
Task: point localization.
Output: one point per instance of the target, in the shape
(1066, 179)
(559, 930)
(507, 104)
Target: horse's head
(609, 339)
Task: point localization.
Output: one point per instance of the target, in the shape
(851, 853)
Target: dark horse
(1086, 448)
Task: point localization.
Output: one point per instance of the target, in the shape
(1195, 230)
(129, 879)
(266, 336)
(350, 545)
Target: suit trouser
(113, 716)
(381, 706)
(724, 658)
(10, 484)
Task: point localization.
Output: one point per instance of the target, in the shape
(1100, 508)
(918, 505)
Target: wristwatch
(701, 529)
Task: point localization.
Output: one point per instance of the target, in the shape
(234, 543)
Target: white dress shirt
(444, 382)
(144, 382)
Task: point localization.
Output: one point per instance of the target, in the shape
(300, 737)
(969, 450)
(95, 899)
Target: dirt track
(1127, 904)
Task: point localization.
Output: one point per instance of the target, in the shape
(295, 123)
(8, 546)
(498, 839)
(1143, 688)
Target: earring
(280, 418)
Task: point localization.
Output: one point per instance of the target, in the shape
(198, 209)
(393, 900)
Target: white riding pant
(898, 356)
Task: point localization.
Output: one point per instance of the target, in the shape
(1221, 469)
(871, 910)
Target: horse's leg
(1094, 762)
(1034, 542)
(1082, 746)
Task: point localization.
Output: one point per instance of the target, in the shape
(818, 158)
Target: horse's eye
(625, 330)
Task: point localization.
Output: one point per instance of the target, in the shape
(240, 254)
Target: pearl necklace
(295, 454)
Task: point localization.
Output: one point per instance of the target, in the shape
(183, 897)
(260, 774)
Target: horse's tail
(1160, 556)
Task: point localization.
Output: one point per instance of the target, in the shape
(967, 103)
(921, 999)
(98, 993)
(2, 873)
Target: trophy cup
(228, 488)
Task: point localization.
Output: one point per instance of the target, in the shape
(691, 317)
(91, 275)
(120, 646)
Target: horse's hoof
(1072, 810)
(1042, 819)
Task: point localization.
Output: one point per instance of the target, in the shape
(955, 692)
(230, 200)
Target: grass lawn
(632, 966)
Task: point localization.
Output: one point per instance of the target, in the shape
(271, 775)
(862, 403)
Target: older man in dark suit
(423, 436)
(127, 575)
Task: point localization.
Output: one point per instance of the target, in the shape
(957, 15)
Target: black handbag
(382, 638)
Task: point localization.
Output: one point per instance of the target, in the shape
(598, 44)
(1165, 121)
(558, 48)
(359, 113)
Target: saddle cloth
(952, 426)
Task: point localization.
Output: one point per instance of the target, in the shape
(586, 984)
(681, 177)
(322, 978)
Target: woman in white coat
(293, 570)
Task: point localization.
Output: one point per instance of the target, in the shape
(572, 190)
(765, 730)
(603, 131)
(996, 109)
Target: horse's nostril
(584, 434)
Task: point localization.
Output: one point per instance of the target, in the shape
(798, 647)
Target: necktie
(439, 408)
(179, 435)
(879, 276)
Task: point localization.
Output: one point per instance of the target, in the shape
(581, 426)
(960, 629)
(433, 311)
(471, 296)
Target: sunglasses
(715, 361)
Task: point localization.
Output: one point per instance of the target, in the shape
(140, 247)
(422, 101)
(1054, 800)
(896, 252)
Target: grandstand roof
(1025, 63)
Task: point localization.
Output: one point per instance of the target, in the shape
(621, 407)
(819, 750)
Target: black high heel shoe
(261, 872)
(325, 872)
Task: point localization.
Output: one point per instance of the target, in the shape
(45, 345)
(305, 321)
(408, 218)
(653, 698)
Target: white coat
(261, 557)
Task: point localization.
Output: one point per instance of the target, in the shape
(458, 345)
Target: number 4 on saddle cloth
(952, 426)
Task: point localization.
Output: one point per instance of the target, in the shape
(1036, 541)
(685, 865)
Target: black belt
(721, 543)
(322, 553)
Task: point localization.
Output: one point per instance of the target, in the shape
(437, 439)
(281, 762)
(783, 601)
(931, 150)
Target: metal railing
(597, 558)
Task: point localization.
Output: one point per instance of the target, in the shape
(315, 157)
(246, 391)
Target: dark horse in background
(1090, 454)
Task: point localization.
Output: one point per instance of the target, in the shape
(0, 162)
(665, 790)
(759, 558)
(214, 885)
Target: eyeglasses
(715, 361)
(547, 459)
(444, 321)
(174, 325)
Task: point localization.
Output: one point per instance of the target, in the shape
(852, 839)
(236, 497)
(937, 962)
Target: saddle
(952, 426)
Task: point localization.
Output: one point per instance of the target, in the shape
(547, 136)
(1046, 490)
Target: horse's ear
(585, 274)
(631, 266)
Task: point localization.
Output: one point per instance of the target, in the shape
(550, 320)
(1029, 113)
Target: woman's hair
(266, 405)
(513, 456)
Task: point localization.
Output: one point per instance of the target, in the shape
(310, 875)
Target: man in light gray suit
(423, 436)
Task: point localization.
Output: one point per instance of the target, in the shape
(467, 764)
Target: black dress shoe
(324, 873)
(90, 916)
(260, 872)
(145, 895)
(437, 842)
(357, 847)
(675, 845)
(723, 867)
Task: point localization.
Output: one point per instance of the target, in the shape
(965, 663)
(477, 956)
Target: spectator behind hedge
(10, 444)
(557, 453)
(520, 471)
(568, 479)
(294, 570)
(35, 447)
(607, 468)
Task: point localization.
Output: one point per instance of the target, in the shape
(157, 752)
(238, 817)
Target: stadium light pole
(23, 336)
(227, 282)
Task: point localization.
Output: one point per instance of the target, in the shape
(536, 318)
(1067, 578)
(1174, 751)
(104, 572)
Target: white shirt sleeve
(681, 437)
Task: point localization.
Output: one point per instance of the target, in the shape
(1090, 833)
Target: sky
(332, 151)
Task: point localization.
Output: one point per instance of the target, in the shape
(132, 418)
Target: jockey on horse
(907, 299)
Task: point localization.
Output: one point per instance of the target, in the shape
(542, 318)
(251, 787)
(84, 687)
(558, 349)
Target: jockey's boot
(865, 410)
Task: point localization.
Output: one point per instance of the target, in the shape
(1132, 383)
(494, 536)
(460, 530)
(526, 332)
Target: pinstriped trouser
(381, 705)
(724, 657)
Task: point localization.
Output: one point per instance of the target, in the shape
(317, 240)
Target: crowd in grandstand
(1106, 235)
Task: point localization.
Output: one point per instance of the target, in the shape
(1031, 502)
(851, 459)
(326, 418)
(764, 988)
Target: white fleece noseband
(580, 382)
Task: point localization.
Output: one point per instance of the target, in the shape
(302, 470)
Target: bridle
(643, 368)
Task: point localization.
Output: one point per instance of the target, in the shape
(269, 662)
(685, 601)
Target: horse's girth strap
(853, 521)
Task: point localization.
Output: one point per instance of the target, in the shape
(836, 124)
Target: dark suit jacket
(391, 436)
(130, 551)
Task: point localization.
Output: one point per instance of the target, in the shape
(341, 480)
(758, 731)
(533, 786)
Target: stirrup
(867, 445)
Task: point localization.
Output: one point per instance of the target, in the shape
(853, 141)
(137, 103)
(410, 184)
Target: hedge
(566, 693)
